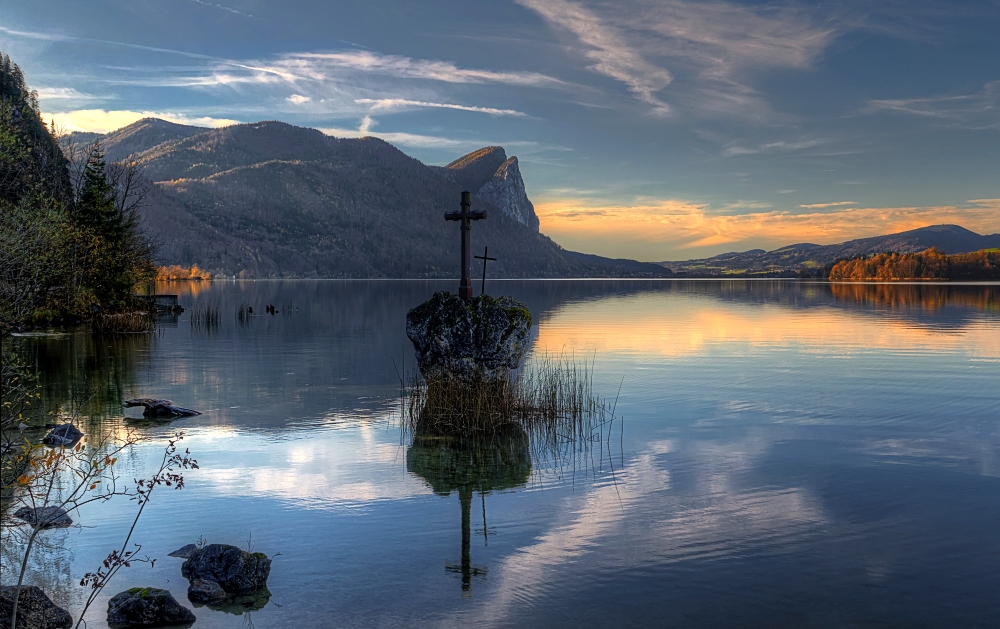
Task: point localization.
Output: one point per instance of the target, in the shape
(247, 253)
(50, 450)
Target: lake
(784, 454)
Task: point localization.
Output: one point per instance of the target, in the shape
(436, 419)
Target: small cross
(484, 258)
(466, 217)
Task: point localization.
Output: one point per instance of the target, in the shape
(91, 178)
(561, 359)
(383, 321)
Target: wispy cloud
(771, 147)
(818, 206)
(322, 65)
(63, 93)
(298, 99)
(215, 5)
(679, 229)
(607, 47)
(396, 104)
(414, 140)
(102, 121)
(706, 52)
(979, 110)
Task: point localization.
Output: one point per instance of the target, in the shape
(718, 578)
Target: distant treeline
(932, 264)
(177, 272)
(70, 241)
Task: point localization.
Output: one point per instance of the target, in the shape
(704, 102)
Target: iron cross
(484, 258)
(465, 216)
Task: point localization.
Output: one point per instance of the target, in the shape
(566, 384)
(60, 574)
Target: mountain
(137, 137)
(270, 199)
(948, 238)
(492, 177)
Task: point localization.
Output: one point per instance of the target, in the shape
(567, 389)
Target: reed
(551, 400)
(205, 317)
(243, 313)
(123, 323)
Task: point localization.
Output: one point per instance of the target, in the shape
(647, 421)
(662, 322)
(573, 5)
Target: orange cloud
(676, 229)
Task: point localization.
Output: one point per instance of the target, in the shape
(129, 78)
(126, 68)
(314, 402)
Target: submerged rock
(184, 551)
(35, 610)
(237, 571)
(202, 591)
(147, 607)
(45, 517)
(62, 435)
(160, 408)
(480, 337)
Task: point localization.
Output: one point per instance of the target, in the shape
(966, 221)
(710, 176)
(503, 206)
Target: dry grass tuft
(551, 400)
(123, 323)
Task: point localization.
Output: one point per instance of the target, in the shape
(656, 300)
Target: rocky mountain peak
(505, 190)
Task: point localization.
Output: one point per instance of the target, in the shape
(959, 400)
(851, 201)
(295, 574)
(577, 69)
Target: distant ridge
(269, 199)
(138, 137)
(948, 238)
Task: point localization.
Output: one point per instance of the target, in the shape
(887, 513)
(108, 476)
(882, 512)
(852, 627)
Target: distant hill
(949, 238)
(270, 199)
(138, 137)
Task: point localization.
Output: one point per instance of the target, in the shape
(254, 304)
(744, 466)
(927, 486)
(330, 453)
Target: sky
(648, 129)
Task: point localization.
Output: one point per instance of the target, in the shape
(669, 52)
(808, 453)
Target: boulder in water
(202, 591)
(236, 570)
(482, 337)
(160, 408)
(62, 435)
(44, 517)
(184, 551)
(35, 610)
(147, 607)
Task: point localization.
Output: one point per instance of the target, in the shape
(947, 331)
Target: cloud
(607, 47)
(979, 110)
(63, 93)
(816, 206)
(101, 121)
(321, 66)
(391, 104)
(366, 129)
(219, 6)
(706, 52)
(773, 147)
(298, 99)
(677, 229)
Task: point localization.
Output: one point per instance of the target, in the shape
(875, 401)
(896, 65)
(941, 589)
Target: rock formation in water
(480, 337)
(147, 607)
(35, 610)
(45, 517)
(63, 435)
(160, 408)
(237, 571)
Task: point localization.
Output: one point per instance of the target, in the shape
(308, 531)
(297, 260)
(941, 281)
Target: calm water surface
(791, 455)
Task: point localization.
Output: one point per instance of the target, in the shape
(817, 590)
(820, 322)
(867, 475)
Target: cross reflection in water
(484, 464)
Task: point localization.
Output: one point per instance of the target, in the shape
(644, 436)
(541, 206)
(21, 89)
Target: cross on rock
(484, 258)
(466, 216)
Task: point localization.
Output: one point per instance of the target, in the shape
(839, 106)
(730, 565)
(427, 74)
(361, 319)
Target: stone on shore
(44, 517)
(184, 552)
(147, 607)
(237, 571)
(483, 337)
(202, 591)
(35, 610)
(62, 435)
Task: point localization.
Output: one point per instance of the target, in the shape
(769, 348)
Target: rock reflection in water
(469, 464)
